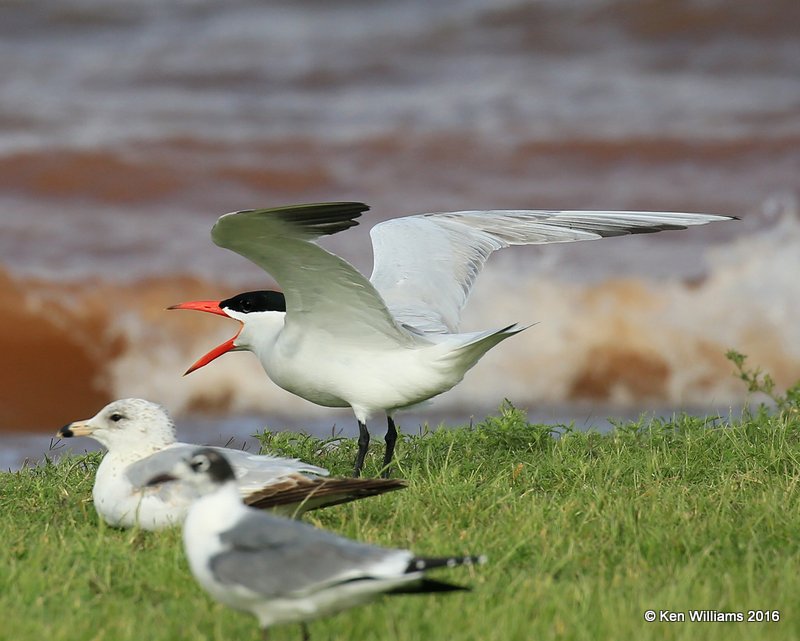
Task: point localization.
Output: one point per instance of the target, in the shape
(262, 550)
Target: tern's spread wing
(277, 557)
(322, 291)
(425, 265)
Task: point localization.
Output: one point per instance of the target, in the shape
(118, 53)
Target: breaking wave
(630, 342)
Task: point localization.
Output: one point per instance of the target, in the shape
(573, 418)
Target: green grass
(583, 533)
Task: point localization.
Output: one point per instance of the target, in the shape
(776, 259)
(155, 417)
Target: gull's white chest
(115, 499)
(122, 504)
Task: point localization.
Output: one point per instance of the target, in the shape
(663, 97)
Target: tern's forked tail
(476, 345)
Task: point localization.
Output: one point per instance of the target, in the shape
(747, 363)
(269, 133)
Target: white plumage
(390, 342)
(141, 443)
(279, 570)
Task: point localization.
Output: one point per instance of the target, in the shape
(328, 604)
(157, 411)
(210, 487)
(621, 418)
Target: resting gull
(141, 443)
(284, 571)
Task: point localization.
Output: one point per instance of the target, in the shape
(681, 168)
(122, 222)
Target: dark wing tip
(427, 585)
(655, 228)
(376, 486)
(325, 492)
(420, 564)
(650, 229)
(314, 219)
(611, 232)
(322, 218)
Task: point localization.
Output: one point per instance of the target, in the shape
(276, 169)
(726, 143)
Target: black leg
(363, 444)
(264, 634)
(306, 632)
(391, 439)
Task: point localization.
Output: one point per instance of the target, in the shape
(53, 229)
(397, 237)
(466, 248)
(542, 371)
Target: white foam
(628, 341)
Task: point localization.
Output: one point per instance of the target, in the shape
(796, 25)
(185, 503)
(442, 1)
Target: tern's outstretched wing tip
(314, 219)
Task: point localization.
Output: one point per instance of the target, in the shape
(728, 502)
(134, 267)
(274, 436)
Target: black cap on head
(212, 463)
(261, 301)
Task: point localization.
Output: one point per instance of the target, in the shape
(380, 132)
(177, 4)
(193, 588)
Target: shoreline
(20, 449)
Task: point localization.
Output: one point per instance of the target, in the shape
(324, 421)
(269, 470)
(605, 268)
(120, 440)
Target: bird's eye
(116, 417)
(200, 464)
(247, 305)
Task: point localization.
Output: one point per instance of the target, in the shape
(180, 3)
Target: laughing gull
(284, 571)
(387, 343)
(141, 443)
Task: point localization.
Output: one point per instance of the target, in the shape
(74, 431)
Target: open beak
(212, 307)
(78, 428)
(215, 353)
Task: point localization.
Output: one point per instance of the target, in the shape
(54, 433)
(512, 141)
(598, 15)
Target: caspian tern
(337, 339)
(284, 571)
(140, 439)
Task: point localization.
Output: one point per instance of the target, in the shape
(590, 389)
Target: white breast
(122, 505)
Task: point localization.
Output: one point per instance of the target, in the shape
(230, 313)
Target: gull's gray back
(275, 557)
(252, 471)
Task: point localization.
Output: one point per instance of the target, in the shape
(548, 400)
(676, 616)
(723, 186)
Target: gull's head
(132, 424)
(260, 315)
(206, 470)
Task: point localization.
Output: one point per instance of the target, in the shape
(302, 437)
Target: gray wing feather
(162, 462)
(322, 290)
(179, 495)
(425, 265)
(275, 557)
(252, 471)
